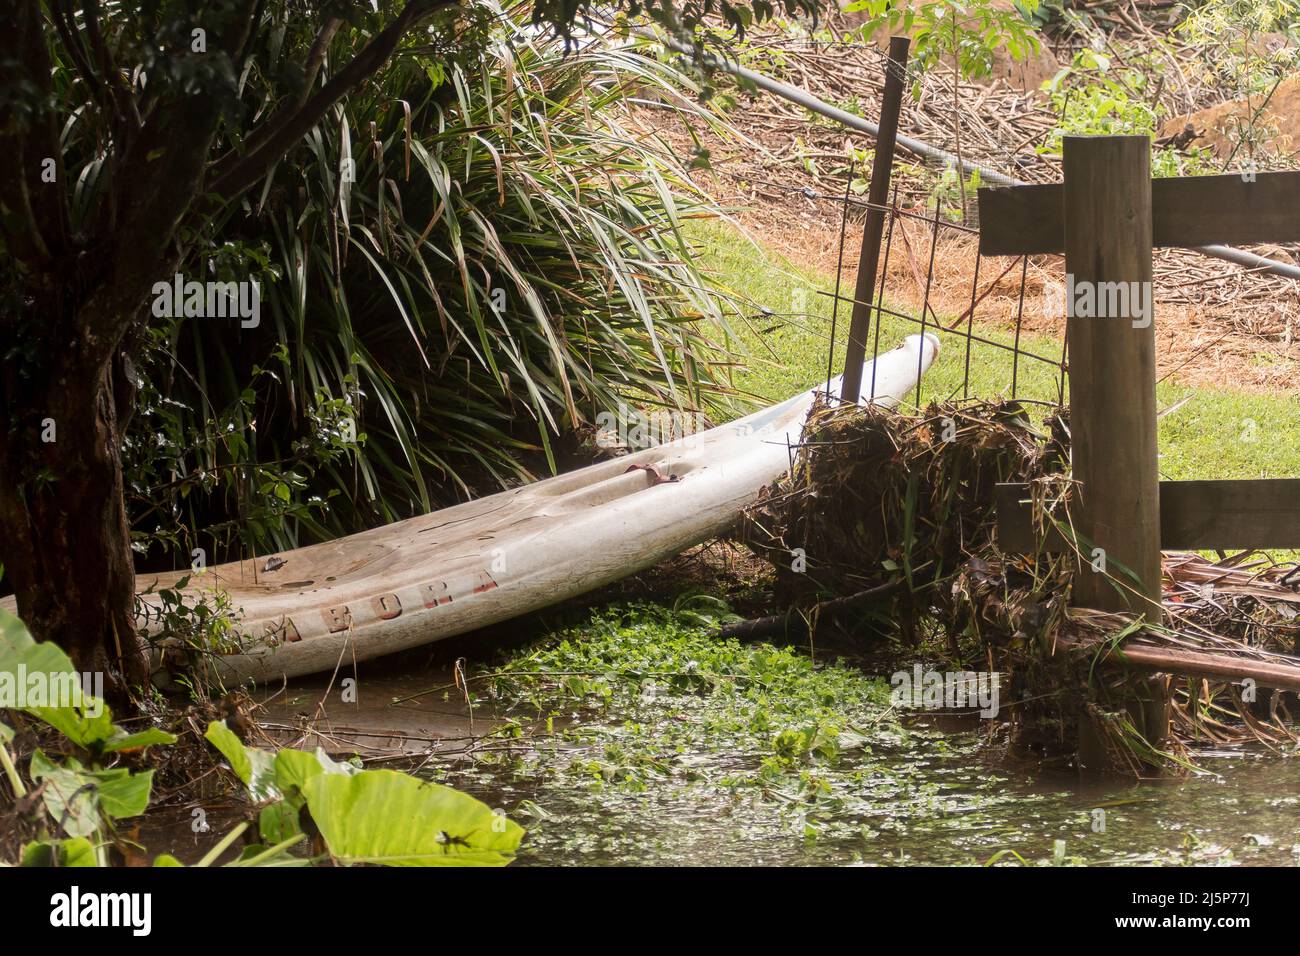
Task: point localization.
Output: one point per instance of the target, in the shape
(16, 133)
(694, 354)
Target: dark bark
(80, 302)
(64, 539)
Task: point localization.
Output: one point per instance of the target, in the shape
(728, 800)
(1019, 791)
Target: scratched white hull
(464, 567)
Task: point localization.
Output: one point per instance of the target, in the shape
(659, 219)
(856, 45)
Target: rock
(1217, 127)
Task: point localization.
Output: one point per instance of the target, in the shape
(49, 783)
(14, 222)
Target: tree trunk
(64, 538)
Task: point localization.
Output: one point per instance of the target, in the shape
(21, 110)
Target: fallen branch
(792, 624)
(1282, 672)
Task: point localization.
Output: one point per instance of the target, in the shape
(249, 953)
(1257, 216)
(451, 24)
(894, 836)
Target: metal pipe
(987, 174)
(808, 101)
(873, 229)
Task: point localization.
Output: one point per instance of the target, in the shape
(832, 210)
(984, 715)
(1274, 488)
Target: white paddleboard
(474, 564)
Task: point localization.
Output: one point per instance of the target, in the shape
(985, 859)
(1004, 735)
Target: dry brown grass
(1216, 324)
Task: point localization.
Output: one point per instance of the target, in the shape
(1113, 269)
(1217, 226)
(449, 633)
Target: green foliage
(965, 33)
(507, 262)
(645, 737)
(1236, 55)
(186, 631)
(693, 20)
(85, 720)
(84, 798)
(383, 817)
(368, 816)
(1042, 14)
(74, 851)
(1228, 34)
(81, 801)
(949, 189)
(643, 664)
(1094, 96)
(196, 480)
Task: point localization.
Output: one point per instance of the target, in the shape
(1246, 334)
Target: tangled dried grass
(875, 497)
(903, 510)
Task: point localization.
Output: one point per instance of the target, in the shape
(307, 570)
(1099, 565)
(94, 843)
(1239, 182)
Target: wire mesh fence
(924, 317)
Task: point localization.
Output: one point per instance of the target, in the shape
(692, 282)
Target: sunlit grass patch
(783, 322)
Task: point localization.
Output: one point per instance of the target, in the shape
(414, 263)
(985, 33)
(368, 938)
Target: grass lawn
(782, 317)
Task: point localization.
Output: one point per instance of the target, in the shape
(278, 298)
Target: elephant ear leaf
(82, 718)
(76, 851)
(293, 768)
(390, 818)
(253, 766)
(75, 797)
(14, 636)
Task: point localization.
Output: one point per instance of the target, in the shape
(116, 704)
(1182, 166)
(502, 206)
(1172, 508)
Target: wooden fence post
(1111, 329)
(872, 230)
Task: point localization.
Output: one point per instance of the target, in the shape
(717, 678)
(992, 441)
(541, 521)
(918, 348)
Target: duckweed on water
(646, 720)
(654, 691)
(639, 738)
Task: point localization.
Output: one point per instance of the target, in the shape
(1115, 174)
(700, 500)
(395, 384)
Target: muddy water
(954, 805)
(932, 796)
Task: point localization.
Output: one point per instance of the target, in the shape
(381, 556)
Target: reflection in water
(925, 797)
(941, 801)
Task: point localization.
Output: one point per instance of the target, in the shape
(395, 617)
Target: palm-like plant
(460, 265)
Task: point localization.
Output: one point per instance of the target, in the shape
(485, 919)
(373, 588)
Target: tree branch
(172, 147)
(316, 57)
(281, 133)
(61, 14)
(796, 625)
(27, 138)
(126, 105)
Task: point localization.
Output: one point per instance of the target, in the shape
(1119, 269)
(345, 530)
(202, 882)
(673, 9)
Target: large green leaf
(75, 851)
(14, 636)
(252, 765)
(83, 718)
(293, 768)
(277, 822)
(69, 799)
(123, 794)
(76, 797)
(390, 818)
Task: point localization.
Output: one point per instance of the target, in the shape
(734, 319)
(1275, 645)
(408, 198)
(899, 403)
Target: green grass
(1218, 433)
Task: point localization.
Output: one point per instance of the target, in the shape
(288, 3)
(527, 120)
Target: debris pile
(886, 526)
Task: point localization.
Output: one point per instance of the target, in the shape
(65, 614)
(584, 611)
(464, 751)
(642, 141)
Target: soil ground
(780, 171)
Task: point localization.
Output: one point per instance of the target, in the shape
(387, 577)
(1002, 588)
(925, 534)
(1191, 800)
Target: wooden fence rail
(1106, 216)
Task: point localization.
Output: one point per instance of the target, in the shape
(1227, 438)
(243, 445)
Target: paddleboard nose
(929, 342)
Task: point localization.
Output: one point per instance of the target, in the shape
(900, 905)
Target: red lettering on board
(485, 582)
(435, 594)
(337, 618)
(386, 606)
